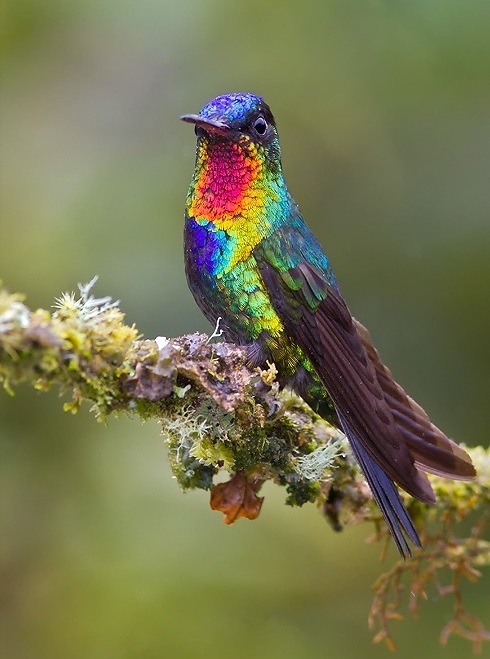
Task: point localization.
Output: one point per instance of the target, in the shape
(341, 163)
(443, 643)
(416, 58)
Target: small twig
(217, 332)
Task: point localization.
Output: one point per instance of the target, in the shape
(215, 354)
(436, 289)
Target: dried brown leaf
(237, 498)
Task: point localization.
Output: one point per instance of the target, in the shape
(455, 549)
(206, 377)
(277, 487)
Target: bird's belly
(239, 297)
(246, 302)
(227, 286)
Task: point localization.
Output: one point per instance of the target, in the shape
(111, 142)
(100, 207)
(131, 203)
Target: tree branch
(217, 413)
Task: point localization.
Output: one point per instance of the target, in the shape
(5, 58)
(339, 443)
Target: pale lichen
(313, 466)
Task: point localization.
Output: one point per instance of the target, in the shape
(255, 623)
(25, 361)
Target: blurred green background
(383, 110)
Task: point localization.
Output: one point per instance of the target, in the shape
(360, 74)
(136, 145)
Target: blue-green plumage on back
(251, 259)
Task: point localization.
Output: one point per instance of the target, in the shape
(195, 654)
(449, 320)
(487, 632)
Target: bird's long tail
(386, 496)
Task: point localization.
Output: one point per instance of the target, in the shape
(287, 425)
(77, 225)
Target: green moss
(211, 452)
(300, 491)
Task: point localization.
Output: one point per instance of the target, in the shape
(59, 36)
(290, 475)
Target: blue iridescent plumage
(233, 107)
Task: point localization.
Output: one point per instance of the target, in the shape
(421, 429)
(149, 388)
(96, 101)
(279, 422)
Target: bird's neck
(232, 185)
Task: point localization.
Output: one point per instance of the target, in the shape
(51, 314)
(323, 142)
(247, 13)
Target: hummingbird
(251, 259)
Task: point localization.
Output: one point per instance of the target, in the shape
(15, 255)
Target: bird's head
(237, 176)
(242, 119)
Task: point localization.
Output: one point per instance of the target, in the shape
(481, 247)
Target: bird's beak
(209, 125)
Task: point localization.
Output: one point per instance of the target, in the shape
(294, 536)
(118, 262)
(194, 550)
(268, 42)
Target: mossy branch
(217, 413)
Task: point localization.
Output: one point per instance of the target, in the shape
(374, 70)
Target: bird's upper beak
(209, 125)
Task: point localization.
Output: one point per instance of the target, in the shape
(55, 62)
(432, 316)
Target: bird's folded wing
(428, 445)
(391, 427)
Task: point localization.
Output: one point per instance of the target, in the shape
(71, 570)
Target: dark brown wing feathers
(429, 446)
(351, 381)
(394, 430)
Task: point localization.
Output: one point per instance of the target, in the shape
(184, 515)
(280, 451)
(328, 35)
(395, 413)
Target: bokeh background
(383, 110)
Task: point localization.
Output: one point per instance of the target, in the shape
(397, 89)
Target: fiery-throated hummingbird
(251, 259)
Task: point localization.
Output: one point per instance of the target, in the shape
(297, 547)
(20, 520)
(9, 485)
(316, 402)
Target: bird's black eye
(260, 126)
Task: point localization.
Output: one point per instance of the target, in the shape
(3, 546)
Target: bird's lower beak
(209, 125)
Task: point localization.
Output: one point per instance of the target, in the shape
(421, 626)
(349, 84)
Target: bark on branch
(219, 414)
